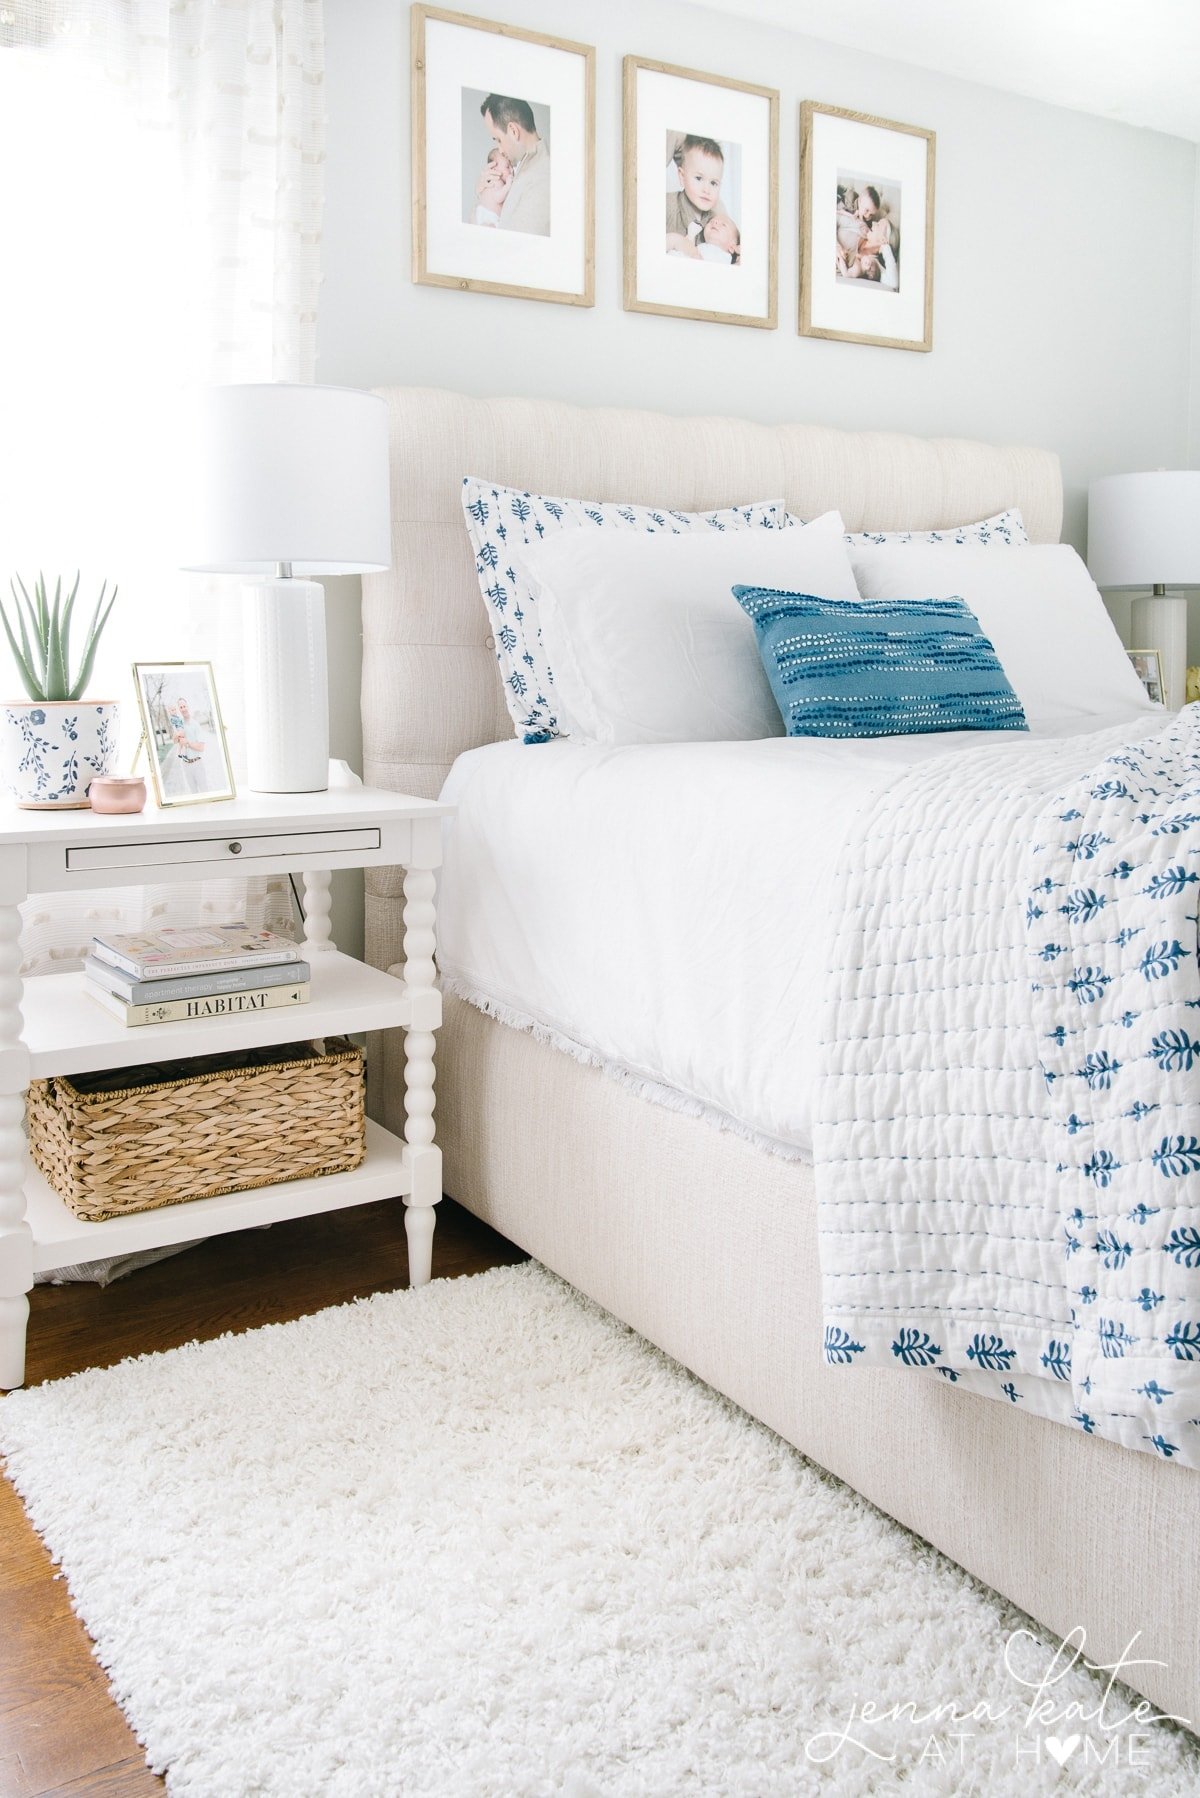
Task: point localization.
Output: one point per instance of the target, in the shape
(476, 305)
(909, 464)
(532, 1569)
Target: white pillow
(502, 522)
(646, 639)
(1044, 615)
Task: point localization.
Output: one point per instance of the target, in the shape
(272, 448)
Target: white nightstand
(49, 1024)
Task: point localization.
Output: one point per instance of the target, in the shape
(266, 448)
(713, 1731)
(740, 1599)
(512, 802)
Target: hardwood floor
(60, 1732)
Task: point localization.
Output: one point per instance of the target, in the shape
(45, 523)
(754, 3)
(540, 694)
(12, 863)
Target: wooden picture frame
(180, 757)
(540, 258)
(701, 284)
(870, 295)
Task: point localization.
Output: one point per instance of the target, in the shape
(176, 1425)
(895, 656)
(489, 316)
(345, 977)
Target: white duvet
(666, 910)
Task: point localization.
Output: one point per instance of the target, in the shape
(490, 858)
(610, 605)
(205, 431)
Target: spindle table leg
(425, 1160)
(16, 1238)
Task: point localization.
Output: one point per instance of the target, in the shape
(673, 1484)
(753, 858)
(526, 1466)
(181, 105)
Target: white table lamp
(1144, 531)
(290, 481)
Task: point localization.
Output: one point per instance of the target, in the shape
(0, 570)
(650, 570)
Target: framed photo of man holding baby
(503, 153)
(866, 229)
(701, 195)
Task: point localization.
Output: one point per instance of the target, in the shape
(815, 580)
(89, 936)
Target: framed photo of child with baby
(503, 155)
(182, 732)
(701, 195)
(866, 229)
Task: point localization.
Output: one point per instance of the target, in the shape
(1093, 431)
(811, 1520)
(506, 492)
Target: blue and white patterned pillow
(1005, 530)
(501, 520)
(878, 667)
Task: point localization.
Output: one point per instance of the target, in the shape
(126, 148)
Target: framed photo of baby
(866, 250)
(701, 179)
(502, 159)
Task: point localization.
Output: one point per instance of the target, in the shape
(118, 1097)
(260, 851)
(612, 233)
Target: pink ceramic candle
(117, 793)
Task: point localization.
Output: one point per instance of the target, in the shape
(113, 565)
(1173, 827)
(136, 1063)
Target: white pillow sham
(1005, 530)
(646, 640)
(1040, 608)
(503, 521)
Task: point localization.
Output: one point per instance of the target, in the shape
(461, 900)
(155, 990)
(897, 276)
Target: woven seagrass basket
(134, 1139)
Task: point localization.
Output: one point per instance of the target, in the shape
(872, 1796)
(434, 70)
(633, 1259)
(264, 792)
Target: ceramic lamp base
(287, 687)
(1159, 621)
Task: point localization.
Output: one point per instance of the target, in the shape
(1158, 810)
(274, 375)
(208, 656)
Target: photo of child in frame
(183, 732)
(703, 182)
(868, 230)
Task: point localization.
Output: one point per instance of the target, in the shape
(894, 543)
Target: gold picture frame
(635, 285)
(428, 259)
(820, 315)
(1147, 665)
(179, 757)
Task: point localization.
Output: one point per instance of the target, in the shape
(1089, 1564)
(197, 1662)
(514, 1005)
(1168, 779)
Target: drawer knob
(235, 848)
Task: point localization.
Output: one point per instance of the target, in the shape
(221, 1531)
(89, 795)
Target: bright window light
(96, 342)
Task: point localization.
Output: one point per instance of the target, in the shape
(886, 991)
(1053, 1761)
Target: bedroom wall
(1194, 404)
(1064, 299)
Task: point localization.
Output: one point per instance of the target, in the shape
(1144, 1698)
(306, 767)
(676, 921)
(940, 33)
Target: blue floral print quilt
(1008, 1133)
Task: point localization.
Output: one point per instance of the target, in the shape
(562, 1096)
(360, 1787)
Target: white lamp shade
(1144, 529)
(288, 473)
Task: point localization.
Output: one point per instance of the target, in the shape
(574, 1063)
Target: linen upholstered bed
(704, 1239)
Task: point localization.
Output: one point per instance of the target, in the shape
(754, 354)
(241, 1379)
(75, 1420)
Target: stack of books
(171, 976)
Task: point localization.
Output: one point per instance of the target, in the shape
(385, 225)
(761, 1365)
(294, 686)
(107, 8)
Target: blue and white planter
(51, 750)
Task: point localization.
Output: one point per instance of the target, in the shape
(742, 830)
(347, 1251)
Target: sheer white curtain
(160, 217)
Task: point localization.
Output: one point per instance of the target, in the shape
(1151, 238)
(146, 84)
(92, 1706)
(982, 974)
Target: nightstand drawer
(232, 849)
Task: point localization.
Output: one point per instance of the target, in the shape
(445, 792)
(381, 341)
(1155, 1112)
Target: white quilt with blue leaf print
(1008, 1129)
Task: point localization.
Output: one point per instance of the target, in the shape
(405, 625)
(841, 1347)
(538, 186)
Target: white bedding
(666, 909)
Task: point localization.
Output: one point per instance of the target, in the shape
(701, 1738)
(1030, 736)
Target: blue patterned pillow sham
(501, 520)
(878, 667)
(1005, 530)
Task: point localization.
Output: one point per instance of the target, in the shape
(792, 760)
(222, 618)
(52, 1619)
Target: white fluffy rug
(478, 1539)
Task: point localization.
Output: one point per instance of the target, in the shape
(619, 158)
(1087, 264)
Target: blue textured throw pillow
(878, 667)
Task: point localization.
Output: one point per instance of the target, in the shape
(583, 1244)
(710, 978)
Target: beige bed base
(699, 1240)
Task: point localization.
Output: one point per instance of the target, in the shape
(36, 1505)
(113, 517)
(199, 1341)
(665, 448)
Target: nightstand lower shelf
(67, 1032)
(60, 1239)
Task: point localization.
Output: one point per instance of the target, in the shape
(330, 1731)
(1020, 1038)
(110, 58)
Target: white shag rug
(480, 1541)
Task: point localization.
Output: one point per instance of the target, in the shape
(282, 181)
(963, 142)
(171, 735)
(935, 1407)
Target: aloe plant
(43, 654)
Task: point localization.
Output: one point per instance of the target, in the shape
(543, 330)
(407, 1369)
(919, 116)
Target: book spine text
(216, 1005)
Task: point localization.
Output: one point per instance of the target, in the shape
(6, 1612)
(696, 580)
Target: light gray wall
(1193, 442)
(1194, 393)
(1063, 303)
(1064, 299)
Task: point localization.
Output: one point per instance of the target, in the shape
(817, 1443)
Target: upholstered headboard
(430, 686)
